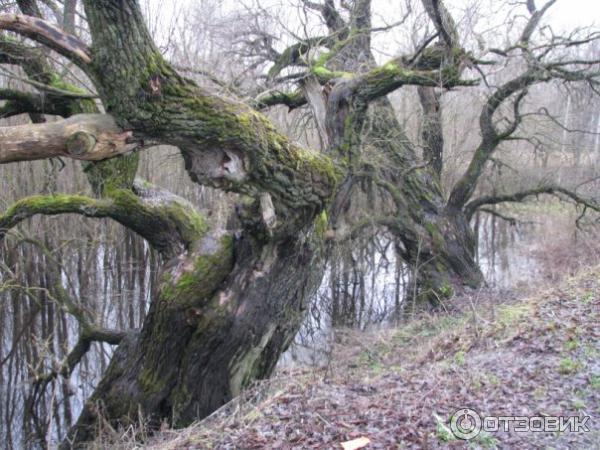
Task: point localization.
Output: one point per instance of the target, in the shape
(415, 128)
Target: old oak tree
(229, 302)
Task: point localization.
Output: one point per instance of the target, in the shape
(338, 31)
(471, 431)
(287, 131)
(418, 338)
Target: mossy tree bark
(435, 240)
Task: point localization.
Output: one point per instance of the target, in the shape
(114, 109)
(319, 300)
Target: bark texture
(236, 306)
(229, 303)
(237, 303)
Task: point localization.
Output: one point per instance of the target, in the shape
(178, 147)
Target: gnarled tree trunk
(437, 242)
(229, 302)
(235, 304)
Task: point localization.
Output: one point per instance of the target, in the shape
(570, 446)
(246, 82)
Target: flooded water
(518, 256)
(507, 254)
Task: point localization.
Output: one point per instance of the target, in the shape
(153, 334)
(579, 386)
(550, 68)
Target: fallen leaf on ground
(356, 443)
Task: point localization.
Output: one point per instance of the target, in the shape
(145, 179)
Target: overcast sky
(565, 15)
(573, 13)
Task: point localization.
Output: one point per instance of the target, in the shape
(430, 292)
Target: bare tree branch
(537, 72)
(511, 220)
(53, 37)
(476, 204)
(330, 14)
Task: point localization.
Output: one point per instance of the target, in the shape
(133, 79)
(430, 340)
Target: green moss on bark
(150, 382)
(112, 174)
(170, 225)
(170, 216)
(324, 74)
(199, 281)
(321, 224)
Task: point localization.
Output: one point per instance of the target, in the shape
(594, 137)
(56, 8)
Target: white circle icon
(465, 424)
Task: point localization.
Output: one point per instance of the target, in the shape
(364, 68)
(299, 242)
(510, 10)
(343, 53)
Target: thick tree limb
(359, 90)
(534, 21)
(334, 21)
(445, 25)
(89, 137)
(317, 101)
(53, 37)
(431, 128)
(225, 144)
(65, 99)
(360, 25)
(169, 223)
(432, 133)
(70, 11)
(391, 76)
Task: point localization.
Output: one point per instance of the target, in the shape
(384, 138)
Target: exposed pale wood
(90, 137)
(317, 103)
